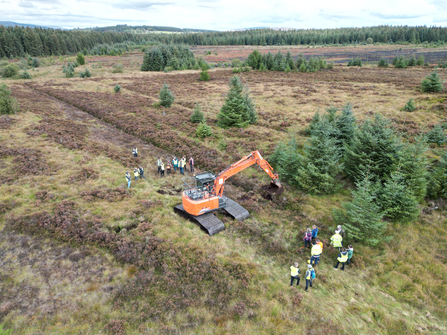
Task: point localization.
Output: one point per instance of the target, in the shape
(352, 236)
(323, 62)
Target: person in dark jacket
(314, 232)
(307, 238)
(191, 164)
(141, 172)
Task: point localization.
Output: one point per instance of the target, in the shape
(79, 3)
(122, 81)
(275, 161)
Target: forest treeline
(19, 41)
(382, 34)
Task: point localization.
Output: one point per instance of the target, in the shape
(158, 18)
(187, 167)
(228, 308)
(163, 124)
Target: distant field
(337, 54)
(80, 254)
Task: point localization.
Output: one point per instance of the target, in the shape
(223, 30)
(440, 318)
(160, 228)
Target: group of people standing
(138, 172)
(311, 241)
(173, 165)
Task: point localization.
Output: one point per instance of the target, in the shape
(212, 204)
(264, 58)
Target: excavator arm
(245, 162)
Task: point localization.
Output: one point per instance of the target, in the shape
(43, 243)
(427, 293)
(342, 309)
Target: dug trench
(104, 128)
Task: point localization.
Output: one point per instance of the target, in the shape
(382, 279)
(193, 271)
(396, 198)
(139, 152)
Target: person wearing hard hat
(294, 272)
(342, 258)
(310, 275)
(337, 240)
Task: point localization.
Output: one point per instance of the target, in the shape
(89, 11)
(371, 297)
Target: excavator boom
(245, 162)
(204, 195)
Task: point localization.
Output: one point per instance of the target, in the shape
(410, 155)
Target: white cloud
(225, 14)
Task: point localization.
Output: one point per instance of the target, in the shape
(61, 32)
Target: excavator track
(208, 222)
(235, 210)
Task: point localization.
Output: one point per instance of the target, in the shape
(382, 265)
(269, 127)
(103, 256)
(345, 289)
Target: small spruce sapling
(410, 106)
(436, 135)
(197, 116)
(8, 105)
(166, 96)
(203, 130)
(383, 63)
(432, 83)
(204, 75)
(80, 59)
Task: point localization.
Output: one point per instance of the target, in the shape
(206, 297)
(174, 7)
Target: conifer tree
(375, 147)
(432, 83)
(254, 60)
(397, 200)
(437, 185)
(362, 217)
(345, 125)
(410, 106)
(436, 135)
(383, 63)
(8, 105)
(166, 96)
(413, 165)
(289, 61)
(203, 130)
(238, 110)
(197, 116)
(321, 163)
(269, 61)
(80, 59)
(420, 61)
(287, 160)
(279, 62)
(204, 75)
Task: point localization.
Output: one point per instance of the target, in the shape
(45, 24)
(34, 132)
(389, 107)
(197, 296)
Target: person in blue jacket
(314, 232)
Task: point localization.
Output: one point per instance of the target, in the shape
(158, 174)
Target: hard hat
(338, 226)
(309, 266)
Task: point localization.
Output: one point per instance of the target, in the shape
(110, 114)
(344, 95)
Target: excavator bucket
(273, 189)
(276, 187)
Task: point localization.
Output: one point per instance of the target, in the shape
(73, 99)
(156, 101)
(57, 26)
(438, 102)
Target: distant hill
(13, 24)
(272, 28)
(124, 28)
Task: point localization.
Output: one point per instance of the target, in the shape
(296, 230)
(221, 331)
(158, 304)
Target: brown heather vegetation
(81, 254)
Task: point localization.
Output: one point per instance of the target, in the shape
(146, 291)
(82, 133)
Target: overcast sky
(225, 14)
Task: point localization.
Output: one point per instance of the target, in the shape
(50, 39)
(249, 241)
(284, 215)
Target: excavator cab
(205, 181)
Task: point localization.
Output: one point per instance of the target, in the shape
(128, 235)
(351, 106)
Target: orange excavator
(203, 194)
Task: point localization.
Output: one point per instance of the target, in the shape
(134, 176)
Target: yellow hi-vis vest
(344, 257)
(136, 172)
(309, 274)
(294, 271)
(336, 240)
(316, 250)
(159, 162)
